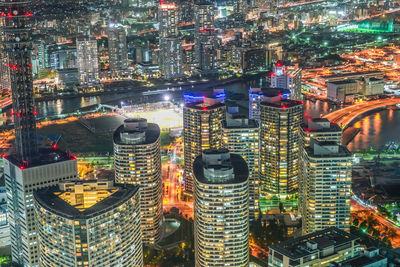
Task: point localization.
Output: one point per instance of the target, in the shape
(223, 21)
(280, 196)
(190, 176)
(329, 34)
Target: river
(376, 129)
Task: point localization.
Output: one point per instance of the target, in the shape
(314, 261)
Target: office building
(170, 53)
(343, 91)
(314, 250)
(88, 65)
(221, 219)
(287, 77)
(280, 144)
(46, 169)
(241, 136)
(27, 168)
(89, 223)
(202, 129)
(322, 130)
(205, 37)
(325, 187)
(5, 239)
(117, 49)
(137, 156)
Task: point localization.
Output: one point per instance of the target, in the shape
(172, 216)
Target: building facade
(51, 168)
(89, 223)
(137, 156)
(117, 49)
(325, 187)
(87, 61)
(202, 129)
(241, 136)
(221, 219)
(322, 130)
(280, 145)
(287, 77)
(170, 53)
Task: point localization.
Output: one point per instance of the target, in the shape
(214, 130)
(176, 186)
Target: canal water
(376, 129)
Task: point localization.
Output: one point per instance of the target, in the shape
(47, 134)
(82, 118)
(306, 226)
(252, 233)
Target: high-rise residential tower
(87, 61)
(221, 219)
(325, 187)
(322, 130)
(280, 144)
(205, 37)
(29, 168)
(202, 129)
(117, 49)
(170, 53)
(241, 136)
(137, 156)
(287, 77)
(89, 223)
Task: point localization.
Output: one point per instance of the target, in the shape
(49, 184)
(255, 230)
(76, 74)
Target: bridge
(344, 117)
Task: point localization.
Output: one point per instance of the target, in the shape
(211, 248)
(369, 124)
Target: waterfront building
(314, 250)
(202, 129)
(343, 91)
(280, 145)
(287, 77)
(88, 65)
(89, 223)
(205, 37)
(28, 168)
(325, 187)
(117, 49)
(322, 130)
(221, 219)
(137, 156)
(170, 45)
(241, 136)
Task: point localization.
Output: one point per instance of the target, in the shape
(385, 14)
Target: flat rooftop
(297, 248)
(45, 156)
(283, 103)
(204, 106)
(49, 199)
(343, 151)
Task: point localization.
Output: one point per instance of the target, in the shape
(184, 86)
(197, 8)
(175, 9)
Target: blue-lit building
(256, 96)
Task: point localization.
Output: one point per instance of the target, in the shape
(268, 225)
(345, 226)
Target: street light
(166, 98)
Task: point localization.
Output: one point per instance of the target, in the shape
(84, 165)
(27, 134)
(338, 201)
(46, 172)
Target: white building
(137, 156)
(221, 211)
(88, 64)
(48, 169)
(325, 186)
(287, 77)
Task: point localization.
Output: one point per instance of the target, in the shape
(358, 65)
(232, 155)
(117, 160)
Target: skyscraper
(280, 144)
(241, 136)
(29, 168)
(202, 129)
(287, 77)
(221, 219)
(88, 65)
(117, 49)
(89, 223)
(205, 37)
(325, 186)
(170, 44)
(137, 155)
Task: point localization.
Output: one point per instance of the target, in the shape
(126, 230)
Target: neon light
(204, 108)
(29, 14)
(35, 112)
(19, 115)
(9, 15)
(21, 167)
(3, 156)
(278, 64)
(284, 106)
(54, 146)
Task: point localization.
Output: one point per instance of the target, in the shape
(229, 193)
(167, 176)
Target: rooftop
(149, 131)
(315, 152)
(220, 160)
(320, 125)
(282, 103)
(298, 247)
(237, 121)
(45, 156)
(49, 199)
(342, 82)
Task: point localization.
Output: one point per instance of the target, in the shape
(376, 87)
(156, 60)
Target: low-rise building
(369, 258)
(342, 91)
(317, 249)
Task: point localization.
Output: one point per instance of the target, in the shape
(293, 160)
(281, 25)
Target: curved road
(343, 117)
